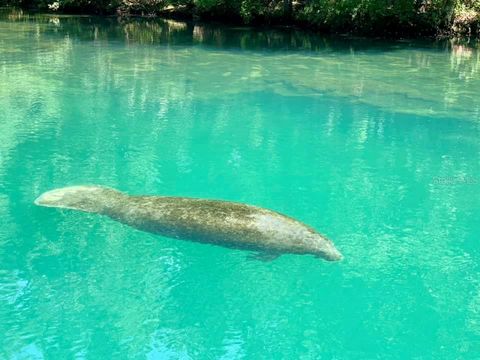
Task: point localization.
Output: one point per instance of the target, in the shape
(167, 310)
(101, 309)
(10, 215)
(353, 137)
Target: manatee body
(223, 223)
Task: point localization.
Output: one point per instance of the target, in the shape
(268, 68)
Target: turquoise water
(375, 144)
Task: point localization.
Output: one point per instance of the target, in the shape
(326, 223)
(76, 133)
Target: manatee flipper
(263, 256)
(94, 199)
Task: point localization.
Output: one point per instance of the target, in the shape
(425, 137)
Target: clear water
(375, 144)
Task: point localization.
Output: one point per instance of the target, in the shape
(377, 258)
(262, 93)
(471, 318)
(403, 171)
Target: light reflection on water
(348, 136)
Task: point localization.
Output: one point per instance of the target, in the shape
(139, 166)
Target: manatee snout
(331, 255)
(329, 252)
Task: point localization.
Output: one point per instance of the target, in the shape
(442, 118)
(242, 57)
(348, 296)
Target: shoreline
(461, 27)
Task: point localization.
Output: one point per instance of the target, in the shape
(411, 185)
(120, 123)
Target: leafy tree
(364, 16)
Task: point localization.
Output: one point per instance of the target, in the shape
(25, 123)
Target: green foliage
(217, 8)
(377, 15)
(145, 7)
(380, 17)
(90, 6)
(251, 9)
(247, 10)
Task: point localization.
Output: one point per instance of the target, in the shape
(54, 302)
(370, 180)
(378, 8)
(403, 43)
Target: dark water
(374, 143)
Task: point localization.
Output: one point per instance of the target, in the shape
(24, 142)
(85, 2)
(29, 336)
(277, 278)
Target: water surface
(374, 143)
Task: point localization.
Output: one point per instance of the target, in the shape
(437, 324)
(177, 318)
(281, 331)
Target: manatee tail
(94, 199)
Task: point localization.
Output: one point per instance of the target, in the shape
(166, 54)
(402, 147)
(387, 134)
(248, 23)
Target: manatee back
(212, 221)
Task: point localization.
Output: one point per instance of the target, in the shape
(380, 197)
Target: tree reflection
(408, 77)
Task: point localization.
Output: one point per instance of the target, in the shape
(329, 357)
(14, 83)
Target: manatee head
(325, 249)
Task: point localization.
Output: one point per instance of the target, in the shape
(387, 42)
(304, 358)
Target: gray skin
(223, 223)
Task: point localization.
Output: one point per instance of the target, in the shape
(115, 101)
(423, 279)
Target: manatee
(267, 233)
